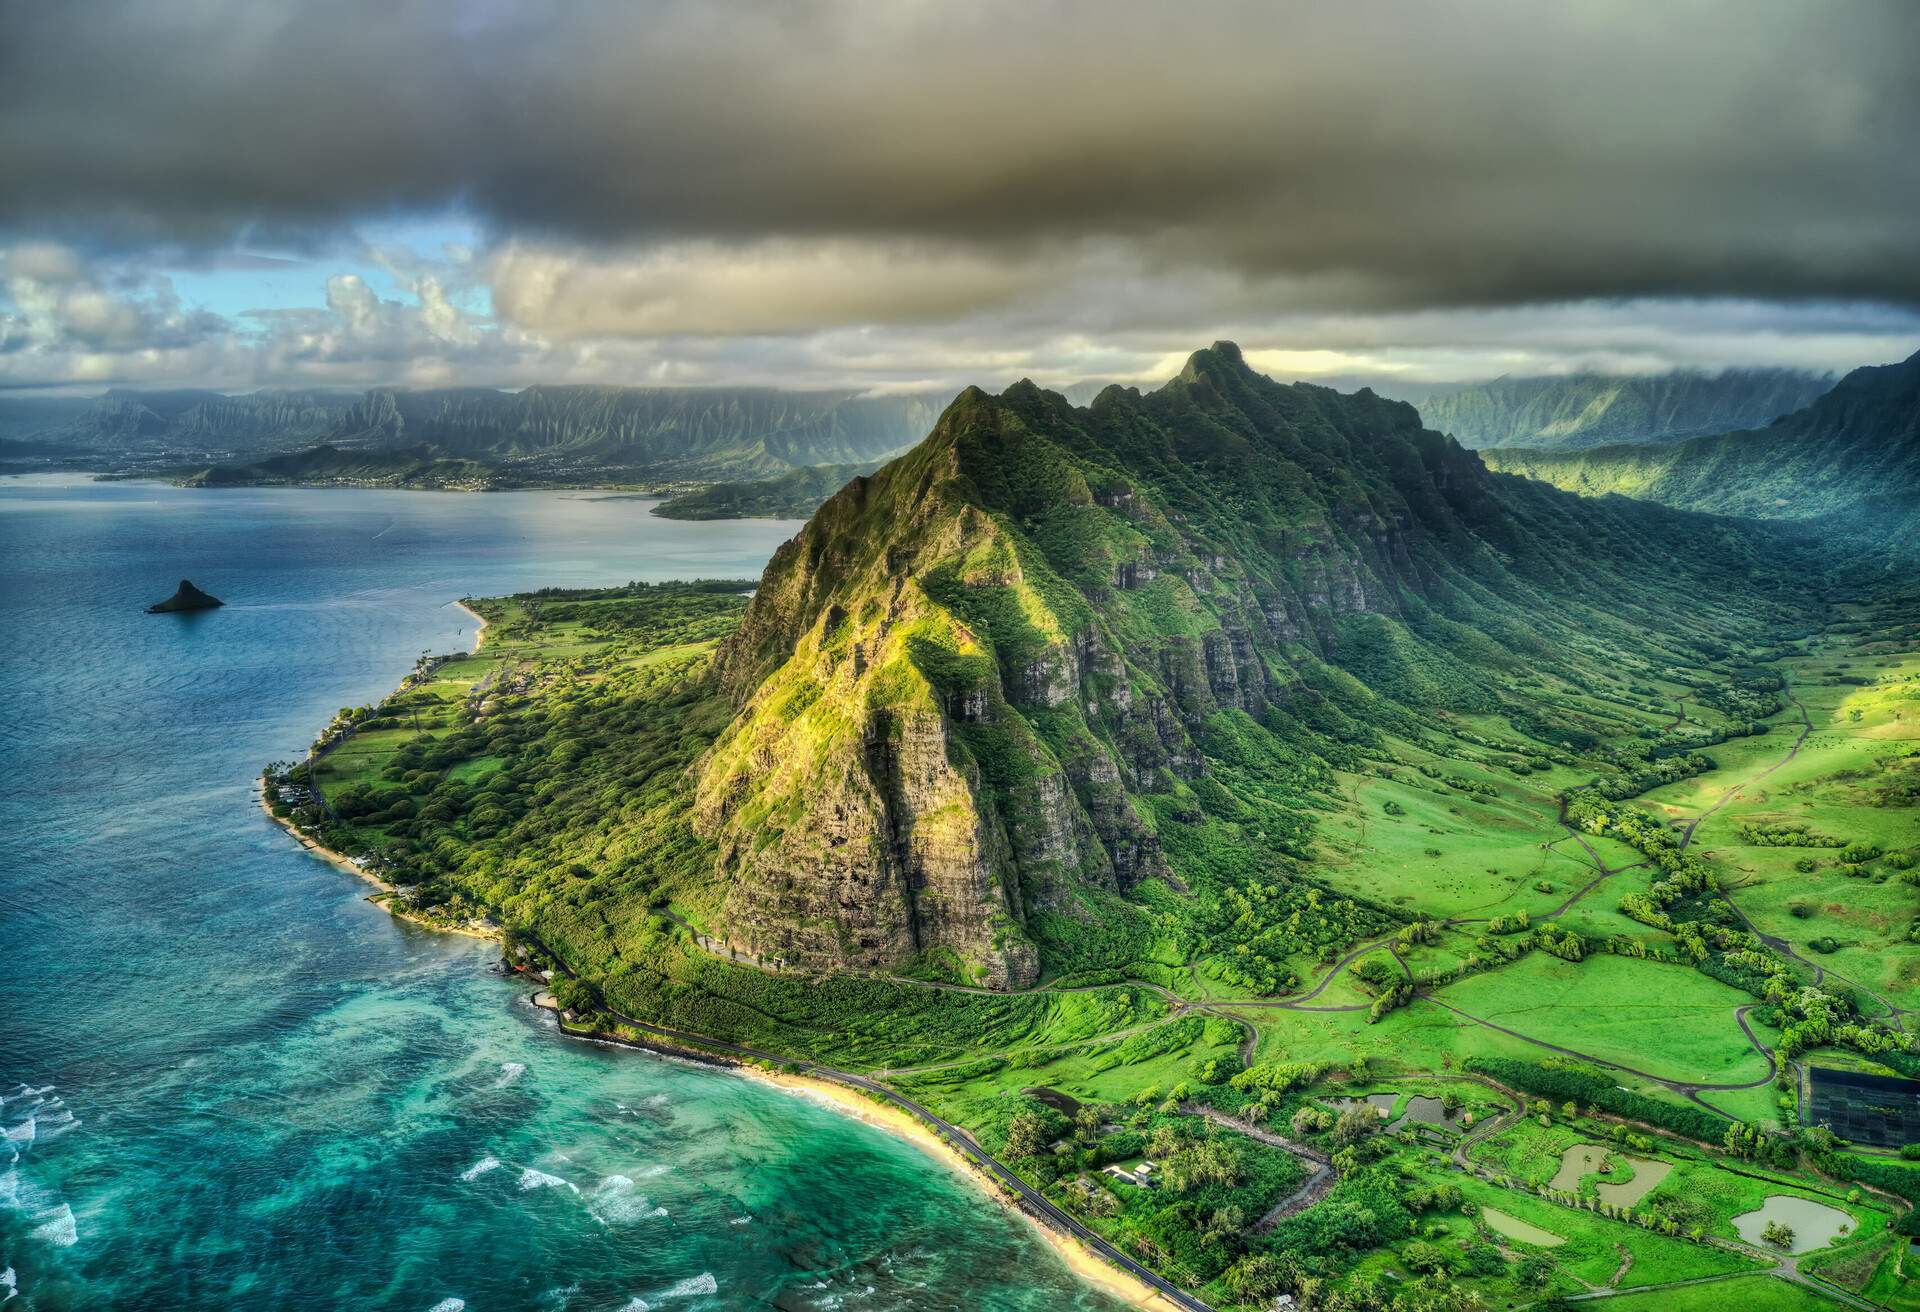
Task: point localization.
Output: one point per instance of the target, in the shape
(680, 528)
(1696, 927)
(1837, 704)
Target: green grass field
(1665, 1020)
(1748, 1294)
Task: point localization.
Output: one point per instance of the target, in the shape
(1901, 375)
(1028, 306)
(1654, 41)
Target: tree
(1223, 1224)
(1355, 1123)
(1310, 1120)
(1779, 1234)
(1026, 1135)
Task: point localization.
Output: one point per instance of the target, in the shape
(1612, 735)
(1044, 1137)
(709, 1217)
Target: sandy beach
(894, 1121)
(480, 621)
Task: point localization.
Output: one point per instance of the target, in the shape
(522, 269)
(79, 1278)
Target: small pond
(1814, 1225)
(1647, 1175)
(1584, 1159)
(1420, 1108)
(1524, 1231)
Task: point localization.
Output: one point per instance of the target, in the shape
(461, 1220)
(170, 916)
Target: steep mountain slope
(1058, 671)
(125, 420)
(1855, 451)
(32, 417)
(658, 432)
(1585, 410)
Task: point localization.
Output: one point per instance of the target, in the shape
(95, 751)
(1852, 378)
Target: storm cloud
(1431, 150)
(690, 170)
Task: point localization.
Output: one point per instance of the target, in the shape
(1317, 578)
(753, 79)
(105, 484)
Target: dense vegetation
(790, 496)
(1152, 782)
(1854, 452)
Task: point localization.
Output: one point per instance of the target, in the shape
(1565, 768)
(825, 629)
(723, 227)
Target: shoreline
(1086, 1266)
(382, 899)
(480, 622)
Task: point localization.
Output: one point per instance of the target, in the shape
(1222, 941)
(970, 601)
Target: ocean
(229, 1082)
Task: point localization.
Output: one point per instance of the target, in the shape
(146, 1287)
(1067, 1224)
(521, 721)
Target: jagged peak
(1222, 356)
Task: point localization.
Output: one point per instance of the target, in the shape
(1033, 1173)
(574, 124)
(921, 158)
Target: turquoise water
(231, 1083)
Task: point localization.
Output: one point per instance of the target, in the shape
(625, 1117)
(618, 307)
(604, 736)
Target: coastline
(384, 898)
(1086, 1265)
(892, 1120)
(480, 623)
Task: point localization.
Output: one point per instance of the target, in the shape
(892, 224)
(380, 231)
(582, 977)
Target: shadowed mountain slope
(1854, 453)
(1587, 410)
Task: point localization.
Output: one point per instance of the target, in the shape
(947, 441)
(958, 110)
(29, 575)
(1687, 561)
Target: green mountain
(790, 496)
(1586, 410)
(649, 432)
(1102, 784)
(1854, 454)
(998, 701)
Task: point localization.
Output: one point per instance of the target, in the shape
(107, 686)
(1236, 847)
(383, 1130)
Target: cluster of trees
(1640, 779)
(1563, 1081)
(1795, 833)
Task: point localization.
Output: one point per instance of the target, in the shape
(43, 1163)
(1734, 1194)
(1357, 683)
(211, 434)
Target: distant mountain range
(1855, 452)
(1586, 410)
(539, 434)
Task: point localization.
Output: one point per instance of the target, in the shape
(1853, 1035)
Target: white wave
(741, 1220)
(509, 1072)
(653, 1172)
(613, 1202)
(9, 1282)
(704, 1283)
(57, 1227)
(637, 1304)
(532, 1179)
(480, 1168)
(657, 1100)
(449, 1305)
(21, 1134)
(51, 1128)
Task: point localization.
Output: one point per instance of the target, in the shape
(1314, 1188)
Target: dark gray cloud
(1360, 154)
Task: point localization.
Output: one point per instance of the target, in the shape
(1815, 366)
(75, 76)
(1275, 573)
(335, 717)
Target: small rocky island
(186, 597)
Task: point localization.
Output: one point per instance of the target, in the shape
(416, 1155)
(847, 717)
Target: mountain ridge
(1577, 411)
(1856, 448)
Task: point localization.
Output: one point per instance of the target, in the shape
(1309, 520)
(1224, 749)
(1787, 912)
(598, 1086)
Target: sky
(902, 195)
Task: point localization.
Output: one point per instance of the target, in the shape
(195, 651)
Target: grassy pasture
(1666, 1020)
(1749, 1294)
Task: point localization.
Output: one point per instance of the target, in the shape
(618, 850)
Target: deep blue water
(231, 1083)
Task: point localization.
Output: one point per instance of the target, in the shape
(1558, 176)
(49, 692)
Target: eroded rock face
(957, 685)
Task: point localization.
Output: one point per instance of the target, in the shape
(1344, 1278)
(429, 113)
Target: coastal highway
(1032, 1200)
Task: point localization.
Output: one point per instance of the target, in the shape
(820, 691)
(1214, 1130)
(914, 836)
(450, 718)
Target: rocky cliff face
(125, 419)
(968, 688)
